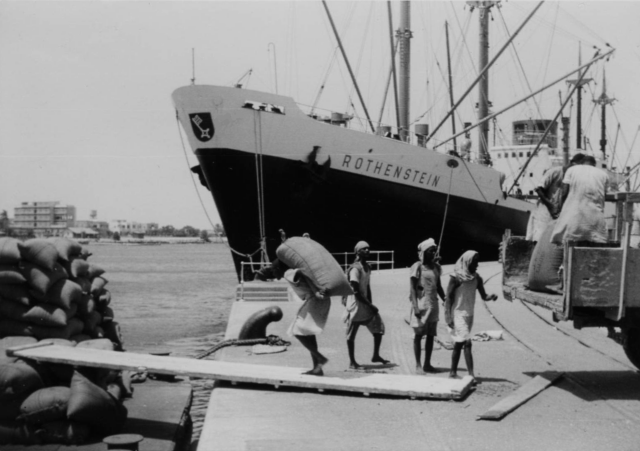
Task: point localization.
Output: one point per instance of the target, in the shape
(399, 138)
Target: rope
(271, 340)
(257, 129)
(195, 187)
(446, 208)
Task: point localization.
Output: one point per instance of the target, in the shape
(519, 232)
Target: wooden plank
(553, 302)
(382, 384)
(520, 396)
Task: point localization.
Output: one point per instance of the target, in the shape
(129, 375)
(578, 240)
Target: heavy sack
(92, 405)
(65, 432)
(86, 305)
(103, 299)
(16, 293)
(12, 327)
(10, 408)
(42, 279)
(74, 326)
(39, 251)
(107, 314)
(79, 338)
(91, 321)
(47, 315)
(85, 254)
(12, 342)
(113, 333)
(79, 268)
(13, 310)
(10, 274)
(98, 332)
(546, 260)
(45, 405)
(59, 342)
(85, 284)
(97, 285)
(100, 343)
(67, 249)
(18, 379)
(10, 251)
(63, 293)
(15, 433)
(316, 263)
(95, 271)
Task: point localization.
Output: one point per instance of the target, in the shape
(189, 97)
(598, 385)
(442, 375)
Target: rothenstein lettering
(390, 170)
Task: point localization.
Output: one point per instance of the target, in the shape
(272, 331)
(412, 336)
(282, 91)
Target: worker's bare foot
(317, 371)
(354, 365)
(474, 382)
(419, 370)
(454, 376)
(429, 369)
(378, 359)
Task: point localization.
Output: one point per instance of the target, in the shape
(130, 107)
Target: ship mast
(483, 100)
(579, 103)
(603, 101)
(404, 35)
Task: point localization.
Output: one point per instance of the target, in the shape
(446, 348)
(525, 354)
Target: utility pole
(603, 101)
(579, 103)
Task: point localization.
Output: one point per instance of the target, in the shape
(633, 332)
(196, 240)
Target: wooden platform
(380, 384)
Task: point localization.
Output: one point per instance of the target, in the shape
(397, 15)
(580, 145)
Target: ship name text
(390, 170)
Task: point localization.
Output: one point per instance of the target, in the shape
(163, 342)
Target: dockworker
(425, 287)
(459, 305)
(312, 315)
(582, 216)
(549, 198)
(360, 310)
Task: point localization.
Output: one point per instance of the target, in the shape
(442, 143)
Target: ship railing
(244, 266)
(376, 259)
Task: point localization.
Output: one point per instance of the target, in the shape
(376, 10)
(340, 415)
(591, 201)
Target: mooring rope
(271, 340)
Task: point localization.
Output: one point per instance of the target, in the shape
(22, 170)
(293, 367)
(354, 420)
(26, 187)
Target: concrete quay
(595, 405)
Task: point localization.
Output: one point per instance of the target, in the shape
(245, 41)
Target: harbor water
(174, 297)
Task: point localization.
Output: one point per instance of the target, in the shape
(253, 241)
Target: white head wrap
(461, 268)
(360, 245)
(426, 244)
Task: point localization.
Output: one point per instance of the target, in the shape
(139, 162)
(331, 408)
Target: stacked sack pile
(49, 292)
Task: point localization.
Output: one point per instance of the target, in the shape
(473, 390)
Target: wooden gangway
(407, 386)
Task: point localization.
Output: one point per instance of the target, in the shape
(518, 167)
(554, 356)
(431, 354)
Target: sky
(85, 86)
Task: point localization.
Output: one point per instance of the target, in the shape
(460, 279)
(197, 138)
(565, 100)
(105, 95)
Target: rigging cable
(524, 74)
(257, 129)
(446, 209)
(195, 187)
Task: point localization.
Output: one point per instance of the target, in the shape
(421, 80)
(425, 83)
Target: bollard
(123, 442)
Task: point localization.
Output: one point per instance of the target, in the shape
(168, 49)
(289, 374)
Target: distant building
(124, 227)
(102, 227)
(81, 233)
(43, 219)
